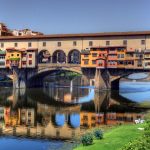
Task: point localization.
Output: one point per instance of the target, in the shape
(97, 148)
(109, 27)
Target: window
(122, 55)
(7, 61)
(12, 54)
(24, 62)
(85, 55)
(30, 62)
(142, 42)
(29, 114)
(74, 43)
(93, 61)
(44, 44)
(86, 62)
(17, 54)
(125, 42)
(30, 55)
(29, 44)
(107, 43)
(59, 44)
(94, 54)
(2, 45)
(90, 43)
(15, 44)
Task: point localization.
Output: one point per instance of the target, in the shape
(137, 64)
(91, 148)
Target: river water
(52, 117)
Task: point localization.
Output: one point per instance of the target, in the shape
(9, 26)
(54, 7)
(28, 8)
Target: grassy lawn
(115, 138)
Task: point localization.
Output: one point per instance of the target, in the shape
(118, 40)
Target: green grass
(115, 138)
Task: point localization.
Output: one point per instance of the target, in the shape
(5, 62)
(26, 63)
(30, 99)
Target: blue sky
(76, 16)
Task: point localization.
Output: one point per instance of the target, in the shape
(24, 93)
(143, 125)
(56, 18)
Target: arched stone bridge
(102, 78)
(54, 66)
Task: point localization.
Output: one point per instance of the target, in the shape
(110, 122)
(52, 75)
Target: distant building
(25, 32)
(4, 31)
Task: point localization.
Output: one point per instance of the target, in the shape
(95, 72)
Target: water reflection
(61, 113)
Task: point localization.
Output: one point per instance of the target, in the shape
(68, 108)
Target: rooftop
(80, 35)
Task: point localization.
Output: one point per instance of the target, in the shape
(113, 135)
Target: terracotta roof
(80, 35)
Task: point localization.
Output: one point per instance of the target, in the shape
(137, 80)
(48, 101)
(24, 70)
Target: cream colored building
(68, 42)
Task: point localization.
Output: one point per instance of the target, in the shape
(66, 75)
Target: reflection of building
(118, 118)
(27, 116)
(1, 116)
(91, 119)
(11, 117)
(67, 97)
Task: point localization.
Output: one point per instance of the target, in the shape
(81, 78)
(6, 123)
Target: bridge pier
(19, 78)
(102, 79)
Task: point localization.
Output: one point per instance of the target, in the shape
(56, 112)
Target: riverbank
(115, 138)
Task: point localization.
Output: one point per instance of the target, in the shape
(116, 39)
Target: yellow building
(13, 58)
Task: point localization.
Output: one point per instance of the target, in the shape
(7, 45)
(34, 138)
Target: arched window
(59, 56)
(74, 57)
(44, 56)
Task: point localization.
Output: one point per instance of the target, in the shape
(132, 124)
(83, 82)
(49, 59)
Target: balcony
(121, 64)
(129, 66)
(112, 65)
(112, 57)
(112, 52)
(14, 62)
(129, 57)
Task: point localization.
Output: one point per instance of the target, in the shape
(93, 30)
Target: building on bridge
(66, 48)
(95, 52)
(2, 58)
(115, 57)
(21, 58)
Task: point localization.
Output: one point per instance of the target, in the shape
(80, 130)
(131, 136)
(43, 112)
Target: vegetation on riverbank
(115, 138)
(141, 143)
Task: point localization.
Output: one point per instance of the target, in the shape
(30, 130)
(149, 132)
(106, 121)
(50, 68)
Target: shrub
(138, 144)
(147, 129)
(98, 133)
(142, 143)
(87, 139)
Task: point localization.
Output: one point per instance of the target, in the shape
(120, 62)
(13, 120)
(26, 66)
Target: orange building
(89, 58)
(91, 119)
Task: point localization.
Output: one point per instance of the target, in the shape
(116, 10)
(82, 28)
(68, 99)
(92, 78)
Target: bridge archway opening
(123, 82)
(40, 78)
(44, 56)
(59, 56)
(74, 56)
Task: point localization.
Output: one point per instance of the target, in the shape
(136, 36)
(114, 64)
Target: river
(52, 117)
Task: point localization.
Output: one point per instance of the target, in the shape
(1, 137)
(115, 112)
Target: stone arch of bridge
(74, 56)
(59, 56)
(37, 78)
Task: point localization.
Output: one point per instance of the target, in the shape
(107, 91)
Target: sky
(76, 16)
